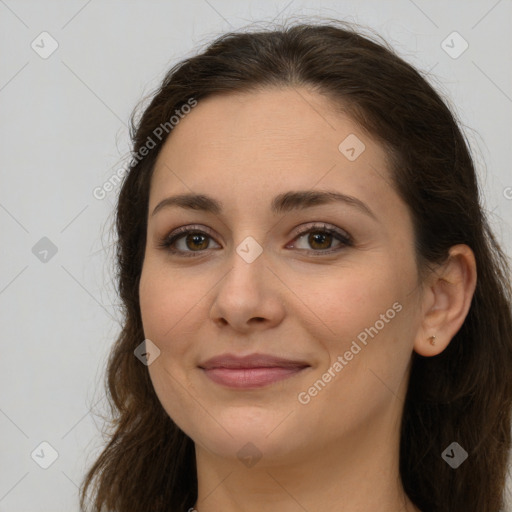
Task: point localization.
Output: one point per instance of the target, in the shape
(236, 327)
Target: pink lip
(253, 371)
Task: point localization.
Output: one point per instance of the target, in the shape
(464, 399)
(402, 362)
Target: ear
(446, 300)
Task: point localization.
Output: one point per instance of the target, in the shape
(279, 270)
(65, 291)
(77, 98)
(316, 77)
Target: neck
(358, 472)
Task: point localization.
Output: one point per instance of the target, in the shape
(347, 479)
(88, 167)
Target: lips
(252, 371)
(251, 361)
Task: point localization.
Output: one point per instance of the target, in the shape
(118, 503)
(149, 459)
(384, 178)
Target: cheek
(171, 313)
(351, 299)
(164, 303)
(376, 327)
(367, 322)
(368, 330)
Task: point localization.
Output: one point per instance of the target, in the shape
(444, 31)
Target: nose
(249, 296)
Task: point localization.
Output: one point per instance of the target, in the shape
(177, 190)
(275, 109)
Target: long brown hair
(463, 395)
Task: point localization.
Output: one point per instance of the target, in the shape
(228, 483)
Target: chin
(251, 448)
(252, 437)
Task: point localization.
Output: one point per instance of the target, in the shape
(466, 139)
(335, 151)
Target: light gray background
(63, 132)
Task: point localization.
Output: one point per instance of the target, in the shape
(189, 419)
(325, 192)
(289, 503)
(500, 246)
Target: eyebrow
(283, 203)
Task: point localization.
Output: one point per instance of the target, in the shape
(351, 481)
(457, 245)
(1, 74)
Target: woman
(317, 315)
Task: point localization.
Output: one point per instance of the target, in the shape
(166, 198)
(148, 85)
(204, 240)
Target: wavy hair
(463, 394)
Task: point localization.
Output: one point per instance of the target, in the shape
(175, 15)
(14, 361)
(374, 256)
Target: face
(330, 286)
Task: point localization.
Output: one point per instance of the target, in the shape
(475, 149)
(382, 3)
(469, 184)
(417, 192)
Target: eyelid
(322, 226)
(175, 234)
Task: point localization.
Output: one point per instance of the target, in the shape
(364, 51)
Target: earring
(432, 339)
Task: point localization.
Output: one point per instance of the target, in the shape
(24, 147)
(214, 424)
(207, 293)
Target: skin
(341, 448)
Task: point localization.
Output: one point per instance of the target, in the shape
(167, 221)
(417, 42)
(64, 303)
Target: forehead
(283, 122)
(267, 141)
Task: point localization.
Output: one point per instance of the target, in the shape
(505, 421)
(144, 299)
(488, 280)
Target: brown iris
(195, 237)
(319, 237)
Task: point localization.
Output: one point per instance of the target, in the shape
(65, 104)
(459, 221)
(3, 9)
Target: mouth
(253, 371)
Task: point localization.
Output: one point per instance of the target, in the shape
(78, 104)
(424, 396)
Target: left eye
(197, 241)
(321, 238)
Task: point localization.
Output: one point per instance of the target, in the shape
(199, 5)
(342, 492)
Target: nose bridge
(249, 250)
(248, 290)
(248, 265)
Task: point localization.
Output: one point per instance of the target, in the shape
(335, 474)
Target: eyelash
(167, 242)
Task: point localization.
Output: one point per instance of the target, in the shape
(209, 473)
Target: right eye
(193, 238)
